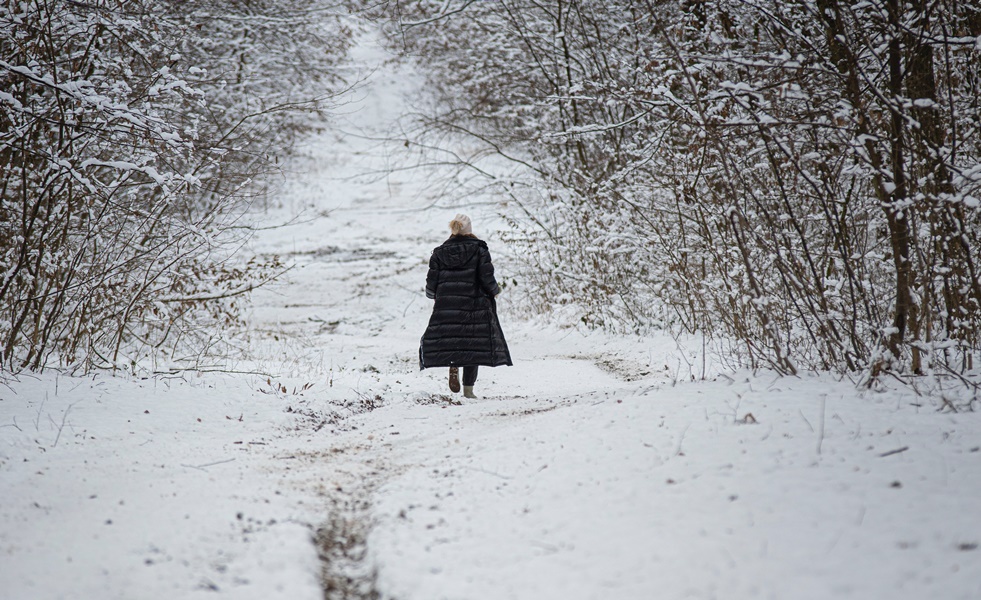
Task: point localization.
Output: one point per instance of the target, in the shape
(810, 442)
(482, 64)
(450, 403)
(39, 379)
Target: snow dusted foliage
(802, 178)
(131, 132)
(268, 69)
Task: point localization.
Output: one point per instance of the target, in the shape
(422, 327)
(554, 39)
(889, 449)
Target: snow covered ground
(593, 468)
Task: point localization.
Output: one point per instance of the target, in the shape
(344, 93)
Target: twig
(947, 403)
(735, 409)
(805, 420)
(206, 465)
(14, 425)
(37, 418)
(181, 371)
(245, 289)
(896, 451)
(964, 380)
(64, 417)
(677, 451)
(824, 398)
(444, 12)
(489, 472)
(411, 302)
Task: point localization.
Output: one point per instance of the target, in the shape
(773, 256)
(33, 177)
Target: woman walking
(463, 330)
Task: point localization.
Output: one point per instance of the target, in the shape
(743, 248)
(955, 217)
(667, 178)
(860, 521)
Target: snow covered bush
(799, 178)
(131, 132)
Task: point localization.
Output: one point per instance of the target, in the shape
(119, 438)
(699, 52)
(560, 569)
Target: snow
(115, 487)
(631, 491)
(596, 467)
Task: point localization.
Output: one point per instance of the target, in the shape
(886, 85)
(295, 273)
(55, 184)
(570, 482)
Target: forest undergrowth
(799, 182)
(137, 140)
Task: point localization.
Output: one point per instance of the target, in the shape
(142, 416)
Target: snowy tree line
(134, 137)
(799, 179)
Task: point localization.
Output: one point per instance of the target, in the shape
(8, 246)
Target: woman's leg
(455, 379)
(469, 378)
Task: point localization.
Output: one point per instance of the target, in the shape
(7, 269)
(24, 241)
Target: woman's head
(461, 225)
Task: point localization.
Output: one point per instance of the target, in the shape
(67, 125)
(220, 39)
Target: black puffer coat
(464, 330)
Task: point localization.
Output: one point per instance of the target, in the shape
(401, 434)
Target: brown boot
(454, 379)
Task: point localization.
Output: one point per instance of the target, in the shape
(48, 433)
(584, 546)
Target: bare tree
(802, 177)
(129, 144)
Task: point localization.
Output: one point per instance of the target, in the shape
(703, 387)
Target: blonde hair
(461, 225)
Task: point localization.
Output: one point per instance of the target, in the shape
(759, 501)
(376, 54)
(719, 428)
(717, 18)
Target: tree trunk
(897, 213)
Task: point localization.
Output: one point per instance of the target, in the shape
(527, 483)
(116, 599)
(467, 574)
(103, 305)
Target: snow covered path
(587, 470)
(632, 493)
(593, 468)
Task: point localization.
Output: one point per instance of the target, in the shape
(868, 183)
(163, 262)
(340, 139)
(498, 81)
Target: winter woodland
(136, 137)
(799, 180)
(740, 248)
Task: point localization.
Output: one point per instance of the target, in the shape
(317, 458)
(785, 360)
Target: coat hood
(457, 251)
